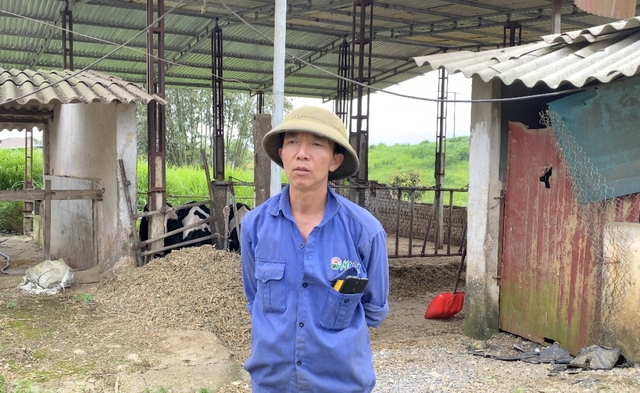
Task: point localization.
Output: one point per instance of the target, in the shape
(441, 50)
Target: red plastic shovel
(445, 305)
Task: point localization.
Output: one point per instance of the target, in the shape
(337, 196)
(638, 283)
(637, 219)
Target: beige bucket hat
(321, 122)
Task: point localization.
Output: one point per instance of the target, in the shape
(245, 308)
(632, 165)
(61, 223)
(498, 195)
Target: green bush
(11, 216)
(189, 183)
(12, 169)
(408, 179)
(12, 178)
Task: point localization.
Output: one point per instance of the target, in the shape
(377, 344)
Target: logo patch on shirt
(339, 264)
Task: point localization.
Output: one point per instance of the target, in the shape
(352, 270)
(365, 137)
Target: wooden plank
(172, 209)
(147, 253)
(174, 232)
(132, 213)
(47, 220)
(39, 195)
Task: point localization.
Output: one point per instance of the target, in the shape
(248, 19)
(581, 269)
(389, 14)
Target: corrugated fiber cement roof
(601, 53)
(24, 88)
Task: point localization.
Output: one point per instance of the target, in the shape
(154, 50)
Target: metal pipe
(279, 58)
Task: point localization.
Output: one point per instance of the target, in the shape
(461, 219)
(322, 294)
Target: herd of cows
(197, 230)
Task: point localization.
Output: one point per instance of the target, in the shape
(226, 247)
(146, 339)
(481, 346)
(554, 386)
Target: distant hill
(387, 161)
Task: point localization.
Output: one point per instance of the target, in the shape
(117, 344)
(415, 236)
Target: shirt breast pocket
(271, 285)
(339, 309)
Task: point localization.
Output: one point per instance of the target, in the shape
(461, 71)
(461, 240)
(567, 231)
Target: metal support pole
(67, 44)
(443, 86)
(279, 57)
(362, 34)
(218, 103)
(260, 103)
(556, 16)
(343, 96)
(27, 206)
(156, 123)
(512, 27)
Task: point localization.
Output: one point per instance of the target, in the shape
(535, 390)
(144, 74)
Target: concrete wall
(621, 246)
(385, 208)
(74, 233)
(482, 311)
(85, 142)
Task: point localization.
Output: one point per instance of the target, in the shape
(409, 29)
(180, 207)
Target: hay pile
(201, 289)
(193, 288)
(413, 277)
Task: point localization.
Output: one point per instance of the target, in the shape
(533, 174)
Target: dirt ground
(143, 326)
(178, 324)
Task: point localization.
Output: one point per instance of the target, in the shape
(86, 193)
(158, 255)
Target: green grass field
(189, 183)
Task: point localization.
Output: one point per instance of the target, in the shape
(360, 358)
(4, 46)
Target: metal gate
(548, 286)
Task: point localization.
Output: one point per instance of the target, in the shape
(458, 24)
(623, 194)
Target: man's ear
(338, 158)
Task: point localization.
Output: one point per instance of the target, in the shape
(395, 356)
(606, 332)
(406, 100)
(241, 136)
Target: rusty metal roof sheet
(23, 88)
(601, 53)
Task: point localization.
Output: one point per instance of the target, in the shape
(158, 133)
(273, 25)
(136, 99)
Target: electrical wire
(119, 46)
(375, 89)
(293, 58)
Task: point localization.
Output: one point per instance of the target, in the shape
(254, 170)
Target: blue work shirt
(305, 335)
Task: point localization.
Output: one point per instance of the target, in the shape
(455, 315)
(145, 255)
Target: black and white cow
(235, 220)
(177, 219)
(193, 215)
(171, 222)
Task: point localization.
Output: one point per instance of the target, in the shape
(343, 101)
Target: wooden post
(217, 205)
(262, 163)
(47, 219)
(132, 213)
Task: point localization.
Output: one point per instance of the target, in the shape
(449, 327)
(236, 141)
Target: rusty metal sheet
(548, 287)
(619, 9)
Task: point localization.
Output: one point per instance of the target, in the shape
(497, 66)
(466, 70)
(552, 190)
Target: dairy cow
(193, 215)
(235, 220)
(177, 219)
(171, 223)
(184, 217)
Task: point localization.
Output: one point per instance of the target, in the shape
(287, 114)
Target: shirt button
(304, 285)
(301, 324)
(346, 300)
(301, 245)
(298, 362)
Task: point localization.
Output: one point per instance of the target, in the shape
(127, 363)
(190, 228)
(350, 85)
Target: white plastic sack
(47, 277)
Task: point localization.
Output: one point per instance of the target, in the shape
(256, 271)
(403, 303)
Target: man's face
(308, 159)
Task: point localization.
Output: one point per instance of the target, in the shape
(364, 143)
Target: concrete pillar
(262, 163)
(483, 234)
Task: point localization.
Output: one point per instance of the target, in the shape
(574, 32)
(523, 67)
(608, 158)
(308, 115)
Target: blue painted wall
(604, 124)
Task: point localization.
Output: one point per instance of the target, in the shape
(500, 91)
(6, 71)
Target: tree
(409, 180)
(190, 126)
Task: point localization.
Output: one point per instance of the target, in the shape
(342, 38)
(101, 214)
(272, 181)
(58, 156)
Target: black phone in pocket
(351, 284)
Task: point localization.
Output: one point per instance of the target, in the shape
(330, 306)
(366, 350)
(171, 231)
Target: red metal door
(548, 286)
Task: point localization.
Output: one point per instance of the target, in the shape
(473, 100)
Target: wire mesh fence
(600, 211)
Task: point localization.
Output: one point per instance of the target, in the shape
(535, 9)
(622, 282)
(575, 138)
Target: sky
(397, 119)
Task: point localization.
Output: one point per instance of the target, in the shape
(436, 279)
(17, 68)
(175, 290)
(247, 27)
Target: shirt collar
(283, 204)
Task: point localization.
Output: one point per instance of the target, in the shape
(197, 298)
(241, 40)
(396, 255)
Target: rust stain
(547, 276)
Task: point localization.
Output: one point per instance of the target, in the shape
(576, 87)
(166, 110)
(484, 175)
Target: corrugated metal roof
(30, 37)
(20, 88)
(601, 53)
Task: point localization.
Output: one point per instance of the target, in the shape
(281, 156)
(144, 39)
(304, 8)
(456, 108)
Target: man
(306, 336)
